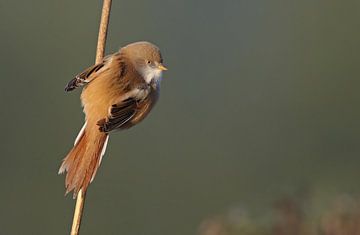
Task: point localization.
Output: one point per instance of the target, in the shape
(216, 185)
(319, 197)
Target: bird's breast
(145, 106)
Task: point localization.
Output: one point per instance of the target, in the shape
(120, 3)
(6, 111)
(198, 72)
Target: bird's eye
(148, 62)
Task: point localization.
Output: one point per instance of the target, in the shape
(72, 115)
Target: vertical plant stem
(104, 22)
(79, 206)
(103, 30)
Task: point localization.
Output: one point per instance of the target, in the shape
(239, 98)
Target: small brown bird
(119, 92)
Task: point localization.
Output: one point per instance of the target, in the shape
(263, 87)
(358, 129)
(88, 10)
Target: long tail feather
(83, 160)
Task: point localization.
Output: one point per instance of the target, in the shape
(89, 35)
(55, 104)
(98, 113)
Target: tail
(84, 158)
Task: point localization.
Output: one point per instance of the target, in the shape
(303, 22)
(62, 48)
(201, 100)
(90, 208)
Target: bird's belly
(144, 108)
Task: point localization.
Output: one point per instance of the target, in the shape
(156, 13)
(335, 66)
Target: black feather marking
(120, 114)
(95, 68)
(71, 85)
(83, 78)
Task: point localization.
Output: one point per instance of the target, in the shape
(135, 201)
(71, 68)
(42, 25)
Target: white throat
(151, 74)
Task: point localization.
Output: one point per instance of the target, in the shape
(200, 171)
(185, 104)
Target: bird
(117, 94)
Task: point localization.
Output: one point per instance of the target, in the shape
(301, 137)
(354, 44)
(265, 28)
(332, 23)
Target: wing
(89, 74)
(120, 114)
(83, 78)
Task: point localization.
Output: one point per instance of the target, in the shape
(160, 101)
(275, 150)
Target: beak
(162, 67)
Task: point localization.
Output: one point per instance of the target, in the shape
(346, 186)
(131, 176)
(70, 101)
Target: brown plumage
(118, 94)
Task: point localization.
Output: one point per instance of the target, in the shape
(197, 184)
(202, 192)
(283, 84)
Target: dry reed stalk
(104, 22)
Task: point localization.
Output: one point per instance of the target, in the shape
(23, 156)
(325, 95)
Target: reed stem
(104, 22)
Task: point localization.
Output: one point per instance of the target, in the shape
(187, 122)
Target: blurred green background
(261, 100)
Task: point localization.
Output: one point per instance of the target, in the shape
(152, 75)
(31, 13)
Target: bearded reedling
(118, 93)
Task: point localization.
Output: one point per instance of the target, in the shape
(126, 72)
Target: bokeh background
(259, 109)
